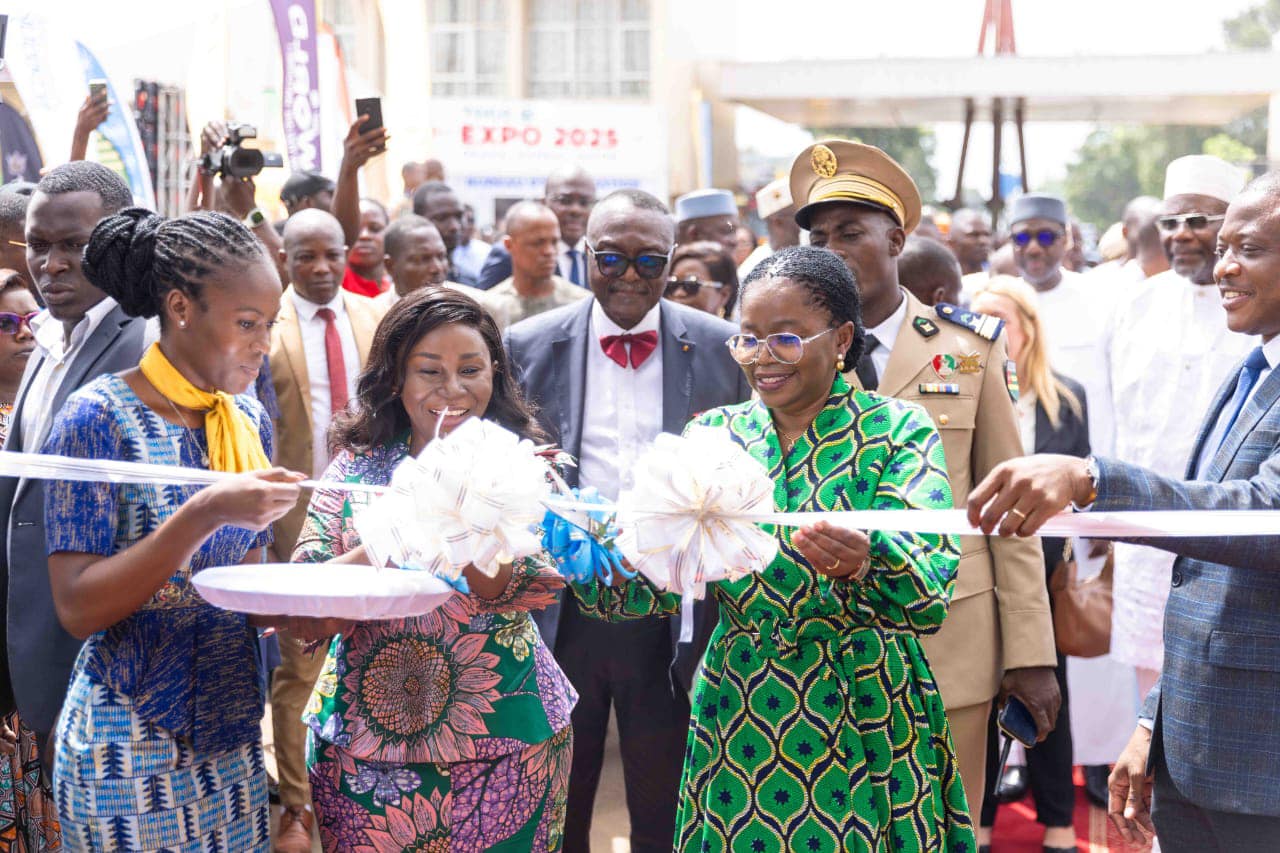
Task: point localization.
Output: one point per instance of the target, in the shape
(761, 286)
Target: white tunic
(1170, 350)
(1074, 317)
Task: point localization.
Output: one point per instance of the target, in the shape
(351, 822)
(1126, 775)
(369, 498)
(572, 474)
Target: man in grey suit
(82, 335)
(607, 375)
(1201, 765)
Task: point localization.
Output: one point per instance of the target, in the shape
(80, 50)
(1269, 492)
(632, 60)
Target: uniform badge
(823, 161)
(939, 388)
(1011, 379)
(943, 365)
(969, 363)
(926, 327)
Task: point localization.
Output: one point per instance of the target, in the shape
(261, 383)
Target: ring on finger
(1019, 513)
(831, 569)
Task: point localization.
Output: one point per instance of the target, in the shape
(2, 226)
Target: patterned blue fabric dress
(158, 745)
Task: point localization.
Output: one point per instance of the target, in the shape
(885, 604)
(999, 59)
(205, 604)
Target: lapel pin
(969, 364)
(943, 365)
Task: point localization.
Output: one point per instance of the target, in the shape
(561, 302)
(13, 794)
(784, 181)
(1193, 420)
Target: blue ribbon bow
(584, 554)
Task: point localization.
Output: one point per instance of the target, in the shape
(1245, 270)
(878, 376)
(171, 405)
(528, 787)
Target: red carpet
(1016, 830)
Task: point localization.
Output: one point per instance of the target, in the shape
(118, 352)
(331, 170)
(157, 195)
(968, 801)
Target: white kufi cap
(1203, 174)
(773, 196)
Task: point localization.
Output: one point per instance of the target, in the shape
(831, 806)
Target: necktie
(866, 369)
(575, 275)
(1253, 367)
(641, 345)
(333, 358)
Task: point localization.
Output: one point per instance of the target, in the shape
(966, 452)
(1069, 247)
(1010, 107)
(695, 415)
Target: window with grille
(588, 48)
(468, 47)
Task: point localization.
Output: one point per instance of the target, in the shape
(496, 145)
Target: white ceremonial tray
(335, 590)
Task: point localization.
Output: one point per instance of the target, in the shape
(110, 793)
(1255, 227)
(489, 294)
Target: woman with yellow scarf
(158, 744)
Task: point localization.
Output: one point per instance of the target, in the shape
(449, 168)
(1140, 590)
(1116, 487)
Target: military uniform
(954, 364)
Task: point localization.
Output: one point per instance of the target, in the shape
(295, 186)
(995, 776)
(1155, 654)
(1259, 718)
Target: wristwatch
(255, 218)
(1091, 469)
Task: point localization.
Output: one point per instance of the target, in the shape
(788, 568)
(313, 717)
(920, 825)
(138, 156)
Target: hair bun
(120, 257)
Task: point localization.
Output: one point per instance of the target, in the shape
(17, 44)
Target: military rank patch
(939, 388)
(980, 324)
(926, 327)
(1011, 379)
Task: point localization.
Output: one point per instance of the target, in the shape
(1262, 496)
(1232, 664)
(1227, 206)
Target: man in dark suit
(82, 335)
(1201, 763)
(608, 374)
(570, 193)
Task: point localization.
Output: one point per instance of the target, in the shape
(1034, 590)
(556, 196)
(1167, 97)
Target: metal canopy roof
(1191, 89)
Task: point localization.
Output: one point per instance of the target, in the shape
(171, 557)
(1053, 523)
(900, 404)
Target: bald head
(929, 270)
(526, 214)
(314, 254)
(570, 193)
(624, 204)
(970, 239)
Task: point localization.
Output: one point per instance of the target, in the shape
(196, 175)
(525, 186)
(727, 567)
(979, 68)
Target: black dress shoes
(1013, 784)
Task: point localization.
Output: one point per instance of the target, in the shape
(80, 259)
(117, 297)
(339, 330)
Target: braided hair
(830, 285)
(137, 256)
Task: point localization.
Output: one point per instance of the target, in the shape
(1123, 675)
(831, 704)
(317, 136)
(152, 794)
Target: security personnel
(998, 637)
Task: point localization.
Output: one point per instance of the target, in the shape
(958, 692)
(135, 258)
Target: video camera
(233, 160)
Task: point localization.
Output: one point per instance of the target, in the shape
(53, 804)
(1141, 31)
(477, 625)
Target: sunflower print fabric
(817, 725)
(408, 714)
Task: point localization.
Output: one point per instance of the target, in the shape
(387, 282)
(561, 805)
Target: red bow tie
(642, 346)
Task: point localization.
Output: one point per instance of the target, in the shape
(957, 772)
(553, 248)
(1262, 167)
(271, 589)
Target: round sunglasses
(783, 346)
(1046, 237)
(11, 324)
(648, 266)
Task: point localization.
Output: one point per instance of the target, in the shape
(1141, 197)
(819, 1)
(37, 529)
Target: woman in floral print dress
(448, 731)
(817, 725)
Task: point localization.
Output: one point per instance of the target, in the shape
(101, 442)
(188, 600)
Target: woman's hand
(8, 739)
(834, 551)
(251, 500)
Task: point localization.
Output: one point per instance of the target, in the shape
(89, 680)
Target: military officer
(998, 637)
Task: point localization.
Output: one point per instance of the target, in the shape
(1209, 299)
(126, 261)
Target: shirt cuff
(1147, 723)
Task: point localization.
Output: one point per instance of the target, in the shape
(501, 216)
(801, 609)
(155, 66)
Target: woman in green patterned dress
(817, 725)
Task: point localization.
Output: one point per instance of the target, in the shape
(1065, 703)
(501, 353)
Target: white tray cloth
(335, 590)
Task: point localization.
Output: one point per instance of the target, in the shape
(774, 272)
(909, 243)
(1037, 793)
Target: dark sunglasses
(1046, 237)
(1194, 221)
(615, 264)
(11, 324)
(688, 286)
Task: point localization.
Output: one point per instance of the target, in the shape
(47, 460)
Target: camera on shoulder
(234, 160)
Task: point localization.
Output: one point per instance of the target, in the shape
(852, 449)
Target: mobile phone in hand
(1016, 722)
(97, 89)
(371, 107)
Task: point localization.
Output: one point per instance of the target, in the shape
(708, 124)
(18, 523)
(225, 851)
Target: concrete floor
(610, 829)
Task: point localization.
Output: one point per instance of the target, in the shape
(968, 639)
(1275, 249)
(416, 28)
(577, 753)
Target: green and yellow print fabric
(817, 725)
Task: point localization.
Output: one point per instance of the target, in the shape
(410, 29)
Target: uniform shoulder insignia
(925, 326)
(982, 325)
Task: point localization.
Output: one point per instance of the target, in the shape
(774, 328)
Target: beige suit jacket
(293, 393)
(999, 617)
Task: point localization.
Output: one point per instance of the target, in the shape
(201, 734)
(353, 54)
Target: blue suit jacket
(1217, 705)
(549, 354)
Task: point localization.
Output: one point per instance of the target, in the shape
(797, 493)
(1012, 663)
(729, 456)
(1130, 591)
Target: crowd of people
(867, 352)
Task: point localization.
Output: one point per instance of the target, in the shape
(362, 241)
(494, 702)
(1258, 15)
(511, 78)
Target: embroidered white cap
(1203, 174)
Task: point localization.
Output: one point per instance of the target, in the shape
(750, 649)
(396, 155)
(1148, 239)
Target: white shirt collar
(580, 247)
(50, 333)
(307, 309)
(1271, 351)
(602, 325)
(887, 332)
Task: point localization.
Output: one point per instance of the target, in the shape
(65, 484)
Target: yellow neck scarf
(234, 443)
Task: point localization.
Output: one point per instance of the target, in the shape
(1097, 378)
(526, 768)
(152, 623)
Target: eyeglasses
(615, 264)
(11, 324)
(1194, 221)
(783, 346)
(1046, 237)
(688, 286)
(566, 199)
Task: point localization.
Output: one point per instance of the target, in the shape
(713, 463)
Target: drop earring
(840, 365)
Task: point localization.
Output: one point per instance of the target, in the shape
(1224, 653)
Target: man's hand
(237, 195)
(213, 136)
(359, 148)
(93, 112)
(1129, 786)
(1020, 495)
(1037, 687)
